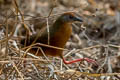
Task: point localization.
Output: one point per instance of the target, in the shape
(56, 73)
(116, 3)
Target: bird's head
(70, 17)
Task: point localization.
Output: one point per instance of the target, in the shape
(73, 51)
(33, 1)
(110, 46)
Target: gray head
(69, 17)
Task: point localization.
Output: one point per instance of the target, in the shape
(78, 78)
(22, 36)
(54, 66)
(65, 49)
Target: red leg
(77, 60)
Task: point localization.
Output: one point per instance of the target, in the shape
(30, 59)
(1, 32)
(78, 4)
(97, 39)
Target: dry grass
(97, 38)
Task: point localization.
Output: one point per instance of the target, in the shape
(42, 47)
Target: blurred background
(98, 38)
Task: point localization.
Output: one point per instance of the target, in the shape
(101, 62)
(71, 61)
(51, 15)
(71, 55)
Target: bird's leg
(81, 59)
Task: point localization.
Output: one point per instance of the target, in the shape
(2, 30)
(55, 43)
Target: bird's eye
(70, 17)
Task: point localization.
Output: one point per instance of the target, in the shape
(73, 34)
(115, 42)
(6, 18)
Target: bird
(59, 33)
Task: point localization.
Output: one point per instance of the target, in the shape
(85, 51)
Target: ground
(97, 38)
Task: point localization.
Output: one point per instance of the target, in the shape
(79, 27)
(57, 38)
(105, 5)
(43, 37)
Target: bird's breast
(61, 36)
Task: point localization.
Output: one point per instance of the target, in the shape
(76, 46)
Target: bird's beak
(78, 19)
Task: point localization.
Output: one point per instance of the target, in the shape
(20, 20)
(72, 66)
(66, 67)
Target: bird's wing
(40, 28)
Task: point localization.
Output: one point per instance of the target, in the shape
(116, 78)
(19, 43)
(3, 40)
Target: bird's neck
(56, 26)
